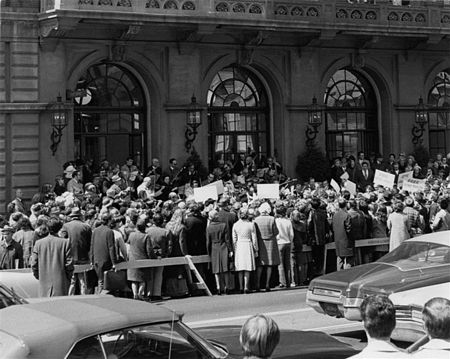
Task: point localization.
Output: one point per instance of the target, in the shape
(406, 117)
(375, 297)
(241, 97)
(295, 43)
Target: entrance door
(110, 116)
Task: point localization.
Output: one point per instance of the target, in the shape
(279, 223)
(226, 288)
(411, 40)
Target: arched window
(109, 113)
(238, 115)
(439, 114)
(351, 115)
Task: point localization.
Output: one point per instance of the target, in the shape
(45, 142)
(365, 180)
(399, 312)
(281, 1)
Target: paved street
(286, 307)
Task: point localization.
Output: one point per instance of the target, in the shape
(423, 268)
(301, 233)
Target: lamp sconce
(59, 122)
(193, 121)
(314, 122)
(421, 120)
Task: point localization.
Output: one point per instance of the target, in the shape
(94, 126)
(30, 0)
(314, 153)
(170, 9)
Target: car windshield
(163, 340)
(9, 297)
(414, 255)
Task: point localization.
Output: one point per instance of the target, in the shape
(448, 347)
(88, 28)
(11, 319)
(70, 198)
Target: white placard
(414, 185)
(335, 186)
(402, 177)
(351, 187)
(268, 190)
(384, 179)
(201, 194)
(219, 185)
(345, 176)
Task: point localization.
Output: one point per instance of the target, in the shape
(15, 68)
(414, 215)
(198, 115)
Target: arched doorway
(439, 114)
(238, 116)
(351, 115)
(109, 115)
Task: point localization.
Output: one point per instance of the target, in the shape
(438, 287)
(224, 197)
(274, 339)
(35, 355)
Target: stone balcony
(377, 17)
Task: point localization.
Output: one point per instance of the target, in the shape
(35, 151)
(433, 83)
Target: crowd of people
(112, 213)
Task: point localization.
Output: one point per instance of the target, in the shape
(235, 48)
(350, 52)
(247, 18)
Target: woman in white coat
(398, 226)
(245, 245)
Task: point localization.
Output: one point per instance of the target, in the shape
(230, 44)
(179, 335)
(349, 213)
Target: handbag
(115, 280)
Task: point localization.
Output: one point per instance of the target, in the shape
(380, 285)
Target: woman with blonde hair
(259, 337)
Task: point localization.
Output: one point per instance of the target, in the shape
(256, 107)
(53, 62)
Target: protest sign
(335, 186)
(414, 185)
(218, 185)
(384, 179)
(402, 177)
(201, 194)
(268, 190)
(345, 176)
(351, 187)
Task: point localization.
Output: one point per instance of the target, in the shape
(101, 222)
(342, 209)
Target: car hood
(377, 278)
(419, 296)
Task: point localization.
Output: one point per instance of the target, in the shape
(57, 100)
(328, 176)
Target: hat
(69, 169)
(145, 180)
(265, 208)
(7, 229)
(115, 178)
(409, 201)
(75, 213)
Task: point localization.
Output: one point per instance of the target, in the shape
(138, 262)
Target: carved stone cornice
(57, 27)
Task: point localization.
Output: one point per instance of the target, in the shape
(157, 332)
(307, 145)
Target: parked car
(420, 262)
(409, 305)
(21, 281)
(99, 326)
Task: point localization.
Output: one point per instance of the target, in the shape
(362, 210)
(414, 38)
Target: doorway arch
(238, 116)
(351, 115)
(110, 115)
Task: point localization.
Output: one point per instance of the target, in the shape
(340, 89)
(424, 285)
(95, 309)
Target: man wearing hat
(415, 219)
(79, 235)
(115, 189)
(11, 252)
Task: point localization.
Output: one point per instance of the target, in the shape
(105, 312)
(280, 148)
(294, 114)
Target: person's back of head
(54, 225)
(378, 315)
(436, 318)
(259, 336)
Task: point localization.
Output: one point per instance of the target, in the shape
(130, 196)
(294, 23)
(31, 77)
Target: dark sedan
(419, 262)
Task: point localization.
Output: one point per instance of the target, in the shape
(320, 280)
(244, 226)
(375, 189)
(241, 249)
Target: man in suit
(161, 239)
(345, 246)
(17, 204)
(173, 172)
(358, 227)
(364, 177)
(52, 262)
(239, 165)
(79, 235)
(103, 252)
(396, 171)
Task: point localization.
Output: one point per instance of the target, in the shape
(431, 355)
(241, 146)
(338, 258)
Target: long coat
(358, 224)
(399, 227)
(140, 248)
(79, 234)
(103, 250)
(195, 235)
(341, 227)
(245, 244)
(218, 245)
(266, 231)
(52, 264)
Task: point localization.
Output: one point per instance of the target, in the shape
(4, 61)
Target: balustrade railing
(382, 12)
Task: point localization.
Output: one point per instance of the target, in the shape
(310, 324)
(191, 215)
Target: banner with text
(414, 185)
(384, 179)
(402, 177)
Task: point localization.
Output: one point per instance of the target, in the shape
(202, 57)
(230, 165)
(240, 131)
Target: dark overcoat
(103, 252)
(341, 227)
(79, 234)
(219, 245)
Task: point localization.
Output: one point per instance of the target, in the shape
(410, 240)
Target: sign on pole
(351, 187)
(201, 194)
(402, 177)
(384, 179)
(414, 185)
(219, 185)
(268, 190)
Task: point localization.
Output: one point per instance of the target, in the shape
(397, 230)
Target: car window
(88, 348)
(411, 255)
(166, 340)
(8, 298)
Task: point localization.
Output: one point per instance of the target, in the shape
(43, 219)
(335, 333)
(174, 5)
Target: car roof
(68, 319)
(442, 237)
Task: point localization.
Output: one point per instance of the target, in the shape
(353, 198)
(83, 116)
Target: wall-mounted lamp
(421, 120)
(314, 122)
(59, 122)
(193, 121)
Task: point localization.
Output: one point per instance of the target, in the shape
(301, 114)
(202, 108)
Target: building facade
(126, 71)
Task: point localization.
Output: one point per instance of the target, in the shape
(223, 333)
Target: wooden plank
(201, 282)
(151, 263)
